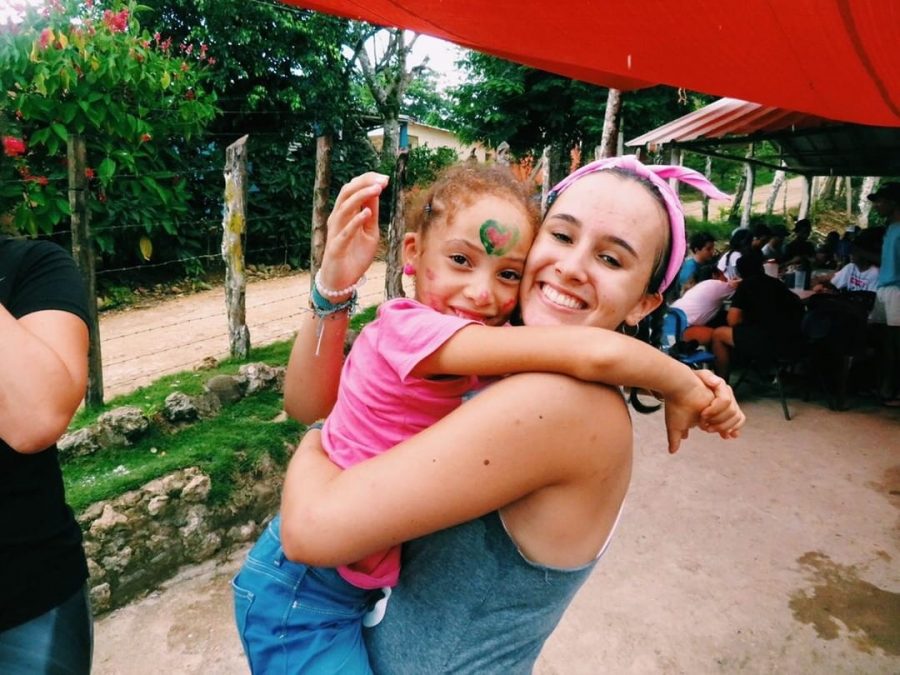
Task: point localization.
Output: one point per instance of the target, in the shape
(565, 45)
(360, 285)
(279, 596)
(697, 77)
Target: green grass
(223, 447)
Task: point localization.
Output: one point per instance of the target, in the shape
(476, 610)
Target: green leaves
(106, 170)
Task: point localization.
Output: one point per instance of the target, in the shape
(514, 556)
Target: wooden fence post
(234, 223)
(324, 148)
(393, 278)
(83, 252)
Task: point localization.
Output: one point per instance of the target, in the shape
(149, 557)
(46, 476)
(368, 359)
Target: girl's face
(593, 257)
(472, 265)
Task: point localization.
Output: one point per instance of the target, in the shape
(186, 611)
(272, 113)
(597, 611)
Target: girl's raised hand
(352, 231)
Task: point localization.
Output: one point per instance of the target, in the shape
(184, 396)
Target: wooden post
(234, 223)
(610, 138)
(324, 149)
(806, 198)
(707, 171)
(747, 206)
(777, 181)
(676, 159)
(393, 278)
(848, 195)
(83, 252)
(545, 177)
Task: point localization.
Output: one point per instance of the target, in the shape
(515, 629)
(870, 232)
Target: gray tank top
(469, 602)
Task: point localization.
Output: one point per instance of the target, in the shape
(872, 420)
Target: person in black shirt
(764, 318)
(45, 619)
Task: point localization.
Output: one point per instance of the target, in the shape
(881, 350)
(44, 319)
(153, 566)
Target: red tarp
(838, 59)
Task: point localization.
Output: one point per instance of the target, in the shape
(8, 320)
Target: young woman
(530, 475)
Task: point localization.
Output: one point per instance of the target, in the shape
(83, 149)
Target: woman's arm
(591, 354)
(314, 369)
(43, 374)
(524, 434)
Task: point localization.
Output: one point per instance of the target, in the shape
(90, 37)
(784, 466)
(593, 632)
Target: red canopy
(838, 59)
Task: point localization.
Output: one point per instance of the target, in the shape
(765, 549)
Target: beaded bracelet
(328, 293)
(322, 306)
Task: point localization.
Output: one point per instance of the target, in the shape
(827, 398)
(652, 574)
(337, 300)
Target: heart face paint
(497, 239)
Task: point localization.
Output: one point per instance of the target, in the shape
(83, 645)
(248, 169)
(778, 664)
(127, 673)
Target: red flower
(145, 138)
(184, 67)
(89, 173)
(13, 147)
(42, 180)
(117, 22)
(45, 37)
(190, 95)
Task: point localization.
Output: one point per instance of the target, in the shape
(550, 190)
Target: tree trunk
(321, 189)
(611, 120)
(828, 188)
(707, 171)
(848, 194)
(393, 280)
(806, 197)
(558, 163)
(545, 177)
(868, 186)
(234, 224)
(777, 183)
(750, 180)
(738, 198)
(83, 253)
(676, 156)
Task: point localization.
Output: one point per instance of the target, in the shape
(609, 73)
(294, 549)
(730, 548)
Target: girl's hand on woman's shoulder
(352, 231)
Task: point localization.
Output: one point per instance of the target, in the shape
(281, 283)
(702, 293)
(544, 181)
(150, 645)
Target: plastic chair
(673, 326)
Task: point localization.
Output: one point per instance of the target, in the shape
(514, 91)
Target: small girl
(410, 367)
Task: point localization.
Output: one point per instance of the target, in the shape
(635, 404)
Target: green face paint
(497, 239)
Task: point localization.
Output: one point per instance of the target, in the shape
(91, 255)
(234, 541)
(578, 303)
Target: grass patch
(222, 447)
(357, 321)
(150, 399)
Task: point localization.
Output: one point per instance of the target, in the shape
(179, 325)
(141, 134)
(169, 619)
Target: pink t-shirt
(379, 404)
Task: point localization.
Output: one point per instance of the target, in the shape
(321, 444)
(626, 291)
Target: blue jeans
(58, 642)
(293, 618)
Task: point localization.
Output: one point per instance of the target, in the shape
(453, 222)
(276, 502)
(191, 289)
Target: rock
(95, 571)
(91, 513)
(130, 498)
(156, 504)
(197, 489)
(120, 426)
(78, 443)
(107, 521)
(226, 388)
(260, 377)
(100, 595)
(208, 405)
(179, 407)
(119, 560)
(167, 485)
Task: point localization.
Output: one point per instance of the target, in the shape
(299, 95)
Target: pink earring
(409, 270)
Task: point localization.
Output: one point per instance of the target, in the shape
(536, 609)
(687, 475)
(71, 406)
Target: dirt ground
(774, 553)
(777, 552)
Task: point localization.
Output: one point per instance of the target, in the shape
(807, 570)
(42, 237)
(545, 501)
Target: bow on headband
(657, 174)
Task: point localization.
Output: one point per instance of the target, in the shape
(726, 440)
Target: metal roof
(807, 144)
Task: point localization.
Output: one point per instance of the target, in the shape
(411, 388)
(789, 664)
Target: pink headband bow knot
(657, 174)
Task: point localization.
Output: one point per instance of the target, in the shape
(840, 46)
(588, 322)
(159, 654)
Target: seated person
(763, 321)
(861, 273)
(761, 235)
(703, 247)
(741, 241)
(701, 303)
(800, 251)
(773, 249)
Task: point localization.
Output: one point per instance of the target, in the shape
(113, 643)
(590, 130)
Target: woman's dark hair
(741, 240)
(750, 265)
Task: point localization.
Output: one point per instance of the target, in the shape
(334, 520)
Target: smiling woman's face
(591, 262)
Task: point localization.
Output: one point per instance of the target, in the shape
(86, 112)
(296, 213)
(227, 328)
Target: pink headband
(657, 175)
